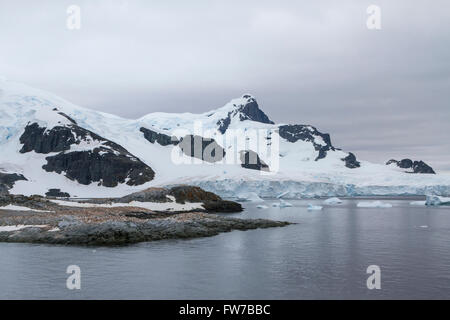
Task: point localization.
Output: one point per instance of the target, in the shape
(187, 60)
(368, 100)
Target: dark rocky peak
(251, 111)
(293, 133)
(413, 166)
(248, 111)
(351, 162)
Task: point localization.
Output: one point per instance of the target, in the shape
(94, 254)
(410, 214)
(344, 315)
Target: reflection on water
(325, 255)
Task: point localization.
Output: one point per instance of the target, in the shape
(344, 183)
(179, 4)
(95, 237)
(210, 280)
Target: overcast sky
(380, 93)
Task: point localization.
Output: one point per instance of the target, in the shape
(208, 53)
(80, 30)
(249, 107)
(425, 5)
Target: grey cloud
(381, 94)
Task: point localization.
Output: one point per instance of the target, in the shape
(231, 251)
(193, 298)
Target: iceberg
(374, 204)
(332, 201)
(284, 204)
(437, 201)
(314, 208)
(261, 206)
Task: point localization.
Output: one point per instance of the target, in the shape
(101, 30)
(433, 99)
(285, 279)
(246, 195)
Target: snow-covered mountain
(49, 143)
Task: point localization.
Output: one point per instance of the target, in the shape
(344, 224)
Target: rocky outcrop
(57, 193)
(8, 179)
(161, 138)
(147, 195)
(206, 149)
(250, 160)
(96, 159)
(249, 111)
(107, 169)
(211, 202)
(351, 162)
(185, 193)
(413, 166)
(181, 194)
(123, 229)
(321, 141)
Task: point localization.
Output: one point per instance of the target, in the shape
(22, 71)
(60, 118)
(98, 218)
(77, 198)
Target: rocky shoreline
(42, 220)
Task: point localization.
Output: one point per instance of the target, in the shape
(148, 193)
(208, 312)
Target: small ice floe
(281, 204)
(19, 227)
(20, 208)
(261, 206)
(423, 227)
(373, 204)
(417, 203)
(332, 201)
(284, 204)
(437, 201)
(314, 208)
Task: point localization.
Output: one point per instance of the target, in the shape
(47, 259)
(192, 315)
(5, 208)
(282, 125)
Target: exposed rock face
(321, 141)
(3, 190)
(414, 166)
(351, 162)
(161, 138)
(251, 160)
(206, 149)
(8, 179)
(57, 193)
(422, 167)
(57, 139)
(249, 111)
(108, 169)
(96, 159)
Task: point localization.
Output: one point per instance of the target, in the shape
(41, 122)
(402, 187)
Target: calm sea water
(325, 255)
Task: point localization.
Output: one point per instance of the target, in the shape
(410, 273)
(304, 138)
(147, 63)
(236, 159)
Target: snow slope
(296, 167)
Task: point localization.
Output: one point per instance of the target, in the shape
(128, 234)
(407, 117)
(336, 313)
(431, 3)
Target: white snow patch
(19, 227)
(19, 208)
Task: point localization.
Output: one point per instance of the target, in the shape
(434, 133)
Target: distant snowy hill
(49, 143)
